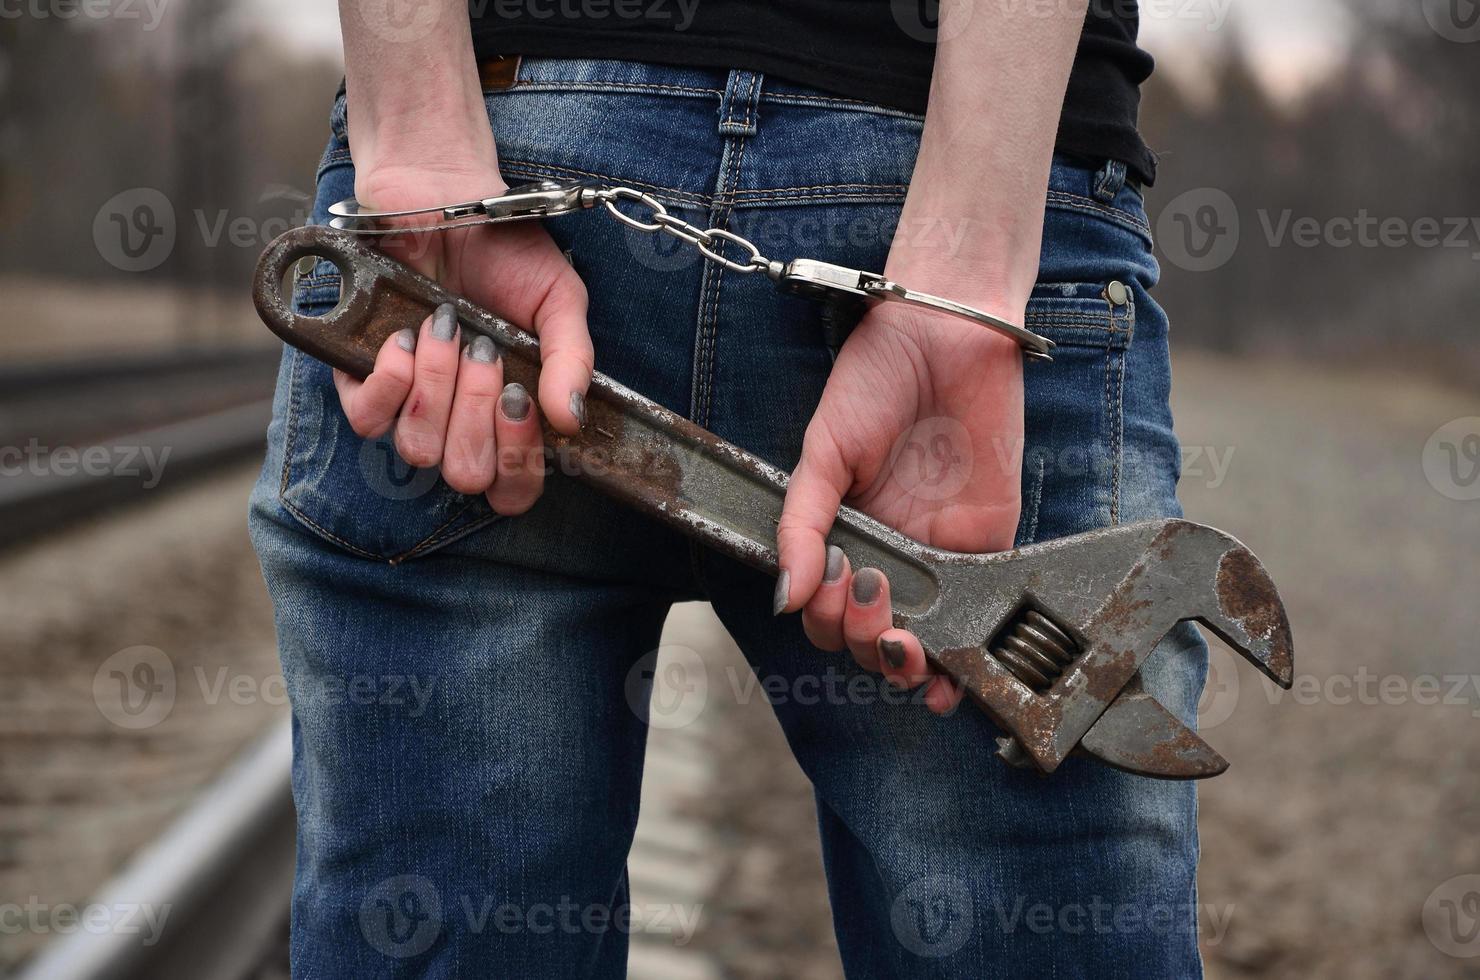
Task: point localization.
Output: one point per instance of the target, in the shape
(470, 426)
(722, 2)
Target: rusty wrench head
(1061, 629)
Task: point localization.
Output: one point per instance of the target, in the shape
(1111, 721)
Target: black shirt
(879, 51)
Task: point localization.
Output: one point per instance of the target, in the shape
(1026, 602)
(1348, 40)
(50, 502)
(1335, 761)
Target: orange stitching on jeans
(530, 85)
(1089, 204)
(445, 531)
(839, 103)
(532, 169)
(829, 187)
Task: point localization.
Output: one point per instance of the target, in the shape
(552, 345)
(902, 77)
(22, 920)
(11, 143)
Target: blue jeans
(463, 739)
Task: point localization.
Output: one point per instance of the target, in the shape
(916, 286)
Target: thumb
(812, 498)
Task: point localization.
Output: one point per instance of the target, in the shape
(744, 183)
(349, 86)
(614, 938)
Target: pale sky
(1291, 44)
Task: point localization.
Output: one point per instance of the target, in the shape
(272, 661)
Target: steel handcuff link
(811, 278)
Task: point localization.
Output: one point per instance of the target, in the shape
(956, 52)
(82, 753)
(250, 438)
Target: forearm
(972, 224)
(414, 98)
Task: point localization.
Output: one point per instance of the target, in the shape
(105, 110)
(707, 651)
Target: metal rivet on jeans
(1116, 293)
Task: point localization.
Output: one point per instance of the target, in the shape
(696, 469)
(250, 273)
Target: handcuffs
(811, 278)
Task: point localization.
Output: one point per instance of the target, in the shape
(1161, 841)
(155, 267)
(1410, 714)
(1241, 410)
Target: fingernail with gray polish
(578, 407)
(514, 402)
(834, 568)
(406, 339)
(444, 322)
(867, 585)
(893, 651)
(482, 350)
(783, 593)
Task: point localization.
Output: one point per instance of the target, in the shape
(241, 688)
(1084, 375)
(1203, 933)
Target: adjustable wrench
(1048, 639)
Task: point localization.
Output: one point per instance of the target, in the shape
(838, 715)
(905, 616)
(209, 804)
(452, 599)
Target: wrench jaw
(1249, 615)
(1118, 592)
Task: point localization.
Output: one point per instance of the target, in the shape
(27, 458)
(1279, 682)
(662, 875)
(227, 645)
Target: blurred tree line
(219, 118)
(1389, 142)
(228, 126)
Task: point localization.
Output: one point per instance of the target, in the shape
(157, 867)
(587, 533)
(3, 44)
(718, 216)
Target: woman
(993, 161)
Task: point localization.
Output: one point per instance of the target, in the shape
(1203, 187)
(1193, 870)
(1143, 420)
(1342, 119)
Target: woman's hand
(920, 426)
(448, 402)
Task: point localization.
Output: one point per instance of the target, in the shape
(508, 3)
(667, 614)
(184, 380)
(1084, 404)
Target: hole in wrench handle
(632, 448)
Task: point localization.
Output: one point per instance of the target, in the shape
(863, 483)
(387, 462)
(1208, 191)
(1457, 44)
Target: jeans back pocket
(358, 493)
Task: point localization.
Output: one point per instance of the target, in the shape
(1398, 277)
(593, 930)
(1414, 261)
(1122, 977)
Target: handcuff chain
(810, 278)
(662, 221)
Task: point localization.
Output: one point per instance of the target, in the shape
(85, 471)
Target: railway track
(217, 880)
(82, 435)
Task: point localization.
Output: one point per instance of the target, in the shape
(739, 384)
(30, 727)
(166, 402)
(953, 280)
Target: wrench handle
(631, 447)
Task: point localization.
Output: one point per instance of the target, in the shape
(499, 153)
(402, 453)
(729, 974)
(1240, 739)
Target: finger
(421, 429)
(566, 355)
(944, 695)
(822, 616)
(549, 296)
(470, 453)
(371, 405)
(866, 616)
(521, 461)
(902, 658)
(812, 498)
